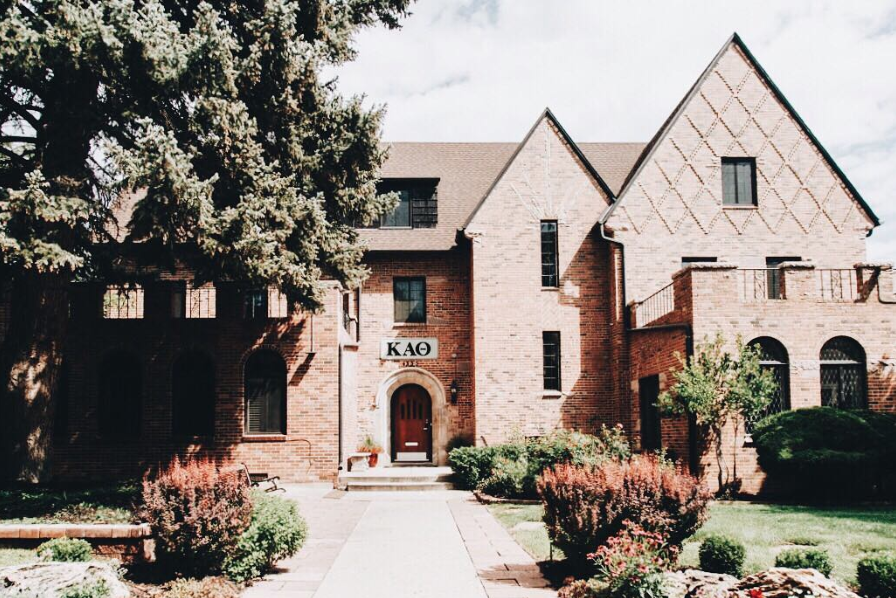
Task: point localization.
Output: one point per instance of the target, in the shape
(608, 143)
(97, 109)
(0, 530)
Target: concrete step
(398, 479)
(379, 486)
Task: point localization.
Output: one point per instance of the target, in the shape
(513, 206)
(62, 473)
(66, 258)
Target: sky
(613, 70)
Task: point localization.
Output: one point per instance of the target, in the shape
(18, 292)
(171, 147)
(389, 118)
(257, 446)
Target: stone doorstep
(97, 531)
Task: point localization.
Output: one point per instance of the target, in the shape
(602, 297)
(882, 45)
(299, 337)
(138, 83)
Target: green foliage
(512, 469)
(877, 576)
(277, 531)
(805, 558)
(95, 589)
(715, 388)
(631, 564)
(104, 504)
(65, 550)
(721, 554)
(805, 449)
(207, 587)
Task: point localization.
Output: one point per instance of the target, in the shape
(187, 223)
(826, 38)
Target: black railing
(656, 306)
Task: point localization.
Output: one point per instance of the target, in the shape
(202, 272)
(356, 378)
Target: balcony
(723, 284)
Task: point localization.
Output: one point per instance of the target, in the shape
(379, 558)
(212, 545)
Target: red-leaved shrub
(197, 513)
(585, 506)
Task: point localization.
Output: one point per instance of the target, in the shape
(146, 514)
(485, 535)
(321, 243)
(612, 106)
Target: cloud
(482, 70)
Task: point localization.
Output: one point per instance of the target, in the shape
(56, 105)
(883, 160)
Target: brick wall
(307, 451)
(673, 207)
(544, 181)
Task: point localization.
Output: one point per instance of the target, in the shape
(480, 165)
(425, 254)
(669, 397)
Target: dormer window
(417, 206)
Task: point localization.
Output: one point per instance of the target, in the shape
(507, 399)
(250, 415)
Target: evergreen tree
(251, 167)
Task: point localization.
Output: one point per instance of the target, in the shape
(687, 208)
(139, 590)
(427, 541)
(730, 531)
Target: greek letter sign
(407, 349)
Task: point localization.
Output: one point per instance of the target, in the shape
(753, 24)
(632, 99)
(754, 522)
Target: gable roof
(466, 172)
(652, 145)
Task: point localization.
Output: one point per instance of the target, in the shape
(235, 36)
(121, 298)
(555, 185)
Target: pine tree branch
(22, 111)
(17, 139)
(14, 157)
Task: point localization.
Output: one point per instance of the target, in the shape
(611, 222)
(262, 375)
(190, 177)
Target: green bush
(877, 576)
(65, 550)
(276, 531)
(805, 449)
(96, 589)
(720, 554)
(805, 558)
(208, 587)
(512, 469)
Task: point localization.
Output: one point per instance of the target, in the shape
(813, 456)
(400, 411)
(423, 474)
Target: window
(697, 260)
(120, 391)
(265, 387)
(260, 304)
(194, 302)
(123, 302)
(417, 203)
(773, 357)
(193, 395)
(549, 267)
(843, 382)
(409, 295)
(551, 360)
(773, 274)
(739, 181)
(651, 432)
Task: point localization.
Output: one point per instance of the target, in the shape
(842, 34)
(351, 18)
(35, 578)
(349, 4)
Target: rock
(50, 580)
(693, 583)
(783, 583)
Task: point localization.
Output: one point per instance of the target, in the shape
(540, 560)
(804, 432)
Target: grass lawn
(847, 534)
(110, 504)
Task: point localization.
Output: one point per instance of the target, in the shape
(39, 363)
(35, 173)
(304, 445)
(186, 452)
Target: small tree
(715, 388)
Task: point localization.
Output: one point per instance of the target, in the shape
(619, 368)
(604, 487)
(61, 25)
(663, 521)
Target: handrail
(655, 306)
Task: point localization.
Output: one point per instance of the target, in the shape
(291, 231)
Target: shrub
(720, 554)
(632, 563)
(95, 589)
(471, 465)
(512, 469)
(877, 576)
(65, 550)
(583, 588)
(209, 587)
(277, 531)
(197, 513)
(809, 447)
(805, 558)
(585, 506)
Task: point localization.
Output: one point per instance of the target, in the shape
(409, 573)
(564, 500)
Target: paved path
(397, 544)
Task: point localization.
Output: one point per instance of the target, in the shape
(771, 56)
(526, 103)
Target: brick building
(517, 288)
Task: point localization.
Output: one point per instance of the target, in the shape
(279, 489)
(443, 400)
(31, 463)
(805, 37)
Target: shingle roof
(465, 172)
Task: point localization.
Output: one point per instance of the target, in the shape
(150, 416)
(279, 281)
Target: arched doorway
(412, 423)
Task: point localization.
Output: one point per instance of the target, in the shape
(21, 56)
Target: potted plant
(373, 450)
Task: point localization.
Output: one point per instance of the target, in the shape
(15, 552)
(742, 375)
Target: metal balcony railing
(840, 284)
(656, 306)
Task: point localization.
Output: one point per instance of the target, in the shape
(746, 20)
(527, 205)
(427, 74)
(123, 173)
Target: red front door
(411, 424)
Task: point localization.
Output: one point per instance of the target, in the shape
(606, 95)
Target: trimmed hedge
(512, 469)
(721, 554)
(877, 576)
(805, 558)
(806, 449)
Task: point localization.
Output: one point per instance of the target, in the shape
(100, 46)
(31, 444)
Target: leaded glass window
(843, 379)
(773, 357)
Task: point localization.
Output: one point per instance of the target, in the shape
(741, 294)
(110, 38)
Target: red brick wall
(309, 449)
(545, 182)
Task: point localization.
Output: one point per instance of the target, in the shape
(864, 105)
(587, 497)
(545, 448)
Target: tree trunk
(31, 359)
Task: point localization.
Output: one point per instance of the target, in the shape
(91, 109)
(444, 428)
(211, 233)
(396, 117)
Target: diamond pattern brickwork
(679, 190)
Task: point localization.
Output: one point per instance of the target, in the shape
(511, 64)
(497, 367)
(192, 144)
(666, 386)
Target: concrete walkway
(397, 544)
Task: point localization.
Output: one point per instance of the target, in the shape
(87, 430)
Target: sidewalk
(397, 544)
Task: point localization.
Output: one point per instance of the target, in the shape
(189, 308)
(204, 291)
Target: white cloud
(482, 70)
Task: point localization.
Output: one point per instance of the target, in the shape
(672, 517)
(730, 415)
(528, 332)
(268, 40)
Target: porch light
(453, 391)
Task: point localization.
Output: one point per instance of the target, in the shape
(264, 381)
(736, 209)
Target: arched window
(265, 393)
(120, 390)
(843, 370)
(773, 357)
(193, 395)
